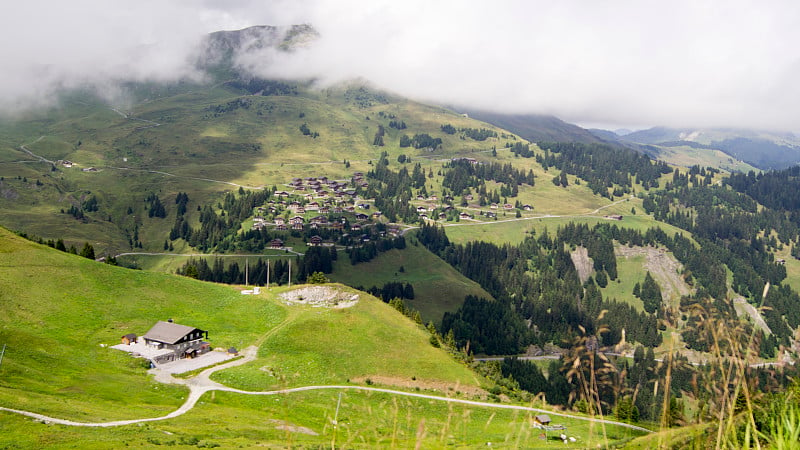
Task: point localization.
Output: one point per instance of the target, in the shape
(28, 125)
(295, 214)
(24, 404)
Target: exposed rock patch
(662, 265)
(584, 265)
(320, 296)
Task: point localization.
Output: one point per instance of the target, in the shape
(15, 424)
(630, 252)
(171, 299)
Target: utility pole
(290, 273)
(336, 421)
(3, 352)
(267, 273)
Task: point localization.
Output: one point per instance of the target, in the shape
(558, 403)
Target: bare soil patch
(428, 385)
(320, 296)
(286, 426)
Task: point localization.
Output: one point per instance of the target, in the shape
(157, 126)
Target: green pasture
(61, 308)
(514, 230)
(438, 287)
(334, 346)
(310, 419)
(61, 311)
(686, 156)
(630, 271)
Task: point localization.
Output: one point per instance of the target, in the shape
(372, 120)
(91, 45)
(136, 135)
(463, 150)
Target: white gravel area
(320, 296)
(185, 365)
(182, 365)
(142, 350)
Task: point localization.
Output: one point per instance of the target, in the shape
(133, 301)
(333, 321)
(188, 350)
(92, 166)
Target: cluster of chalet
(424, 210)
(168, 341)
(509, 206)
(324, 187)
(315, 241)
(317, 195)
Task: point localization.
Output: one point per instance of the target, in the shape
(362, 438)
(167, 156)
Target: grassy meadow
(438, 287)
(208, 141)
(306, 419)
(62, 310)
(336, 346)
(686, 156)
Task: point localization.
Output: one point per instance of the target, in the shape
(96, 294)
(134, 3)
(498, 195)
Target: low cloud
(683, 63)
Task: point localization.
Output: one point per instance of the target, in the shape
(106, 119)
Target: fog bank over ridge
(730, 63)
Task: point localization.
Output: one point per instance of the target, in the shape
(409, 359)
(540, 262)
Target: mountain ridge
(762, 149)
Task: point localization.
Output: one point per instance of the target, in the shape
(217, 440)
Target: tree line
(462, 176)
(603, 167)
(536, 282)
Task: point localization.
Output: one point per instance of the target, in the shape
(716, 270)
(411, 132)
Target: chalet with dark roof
(319, 220)
(183, 340)
(542, 419)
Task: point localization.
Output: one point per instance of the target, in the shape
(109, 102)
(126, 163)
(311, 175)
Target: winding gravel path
(202, 383)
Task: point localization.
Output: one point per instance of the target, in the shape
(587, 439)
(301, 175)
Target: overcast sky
(618, 63)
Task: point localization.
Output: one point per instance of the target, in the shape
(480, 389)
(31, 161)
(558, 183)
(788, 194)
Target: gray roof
(542, 418)
(168, 332)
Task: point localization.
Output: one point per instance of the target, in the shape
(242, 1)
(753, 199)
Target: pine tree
(650, 294)
(87, 251)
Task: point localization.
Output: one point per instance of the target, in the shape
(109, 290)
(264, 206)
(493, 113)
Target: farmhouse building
(542, 419)
(183, 340)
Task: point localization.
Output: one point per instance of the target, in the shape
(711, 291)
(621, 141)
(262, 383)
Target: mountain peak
(221, 47)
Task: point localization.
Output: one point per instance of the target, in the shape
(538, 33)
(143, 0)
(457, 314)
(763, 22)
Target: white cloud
(715, 63)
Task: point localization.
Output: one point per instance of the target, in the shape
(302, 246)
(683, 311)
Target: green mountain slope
(538, 128)
(61, 311)
(58, 309)
(205, 142)
(438, 287)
